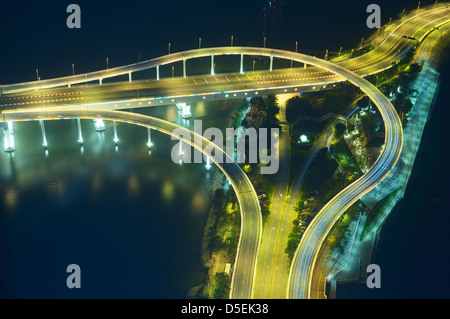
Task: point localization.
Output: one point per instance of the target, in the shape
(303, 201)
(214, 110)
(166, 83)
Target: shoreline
(433, 65)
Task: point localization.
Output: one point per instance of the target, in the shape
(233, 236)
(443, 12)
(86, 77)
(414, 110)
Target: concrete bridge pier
(212, 64)
(184, 68)
(271, 63)
(9, 144)
(116, 139)
(129, 77)
(181, 149)
(186, 111)
(242, 64)
(149, 138)
(157, 72)
(80, 135)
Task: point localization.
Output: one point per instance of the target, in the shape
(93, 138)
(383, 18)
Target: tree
(415, 68)
(221, 286)
(406, 106)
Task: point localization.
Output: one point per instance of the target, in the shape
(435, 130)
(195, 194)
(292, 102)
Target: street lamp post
(37, 74)
(107, 62)
(231, 40)
(169, 47)
(340, 51)
(199, 43)
(73, 69)
(296, 45)
(264, 42)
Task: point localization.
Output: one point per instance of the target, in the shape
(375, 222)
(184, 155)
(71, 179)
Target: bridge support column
(44, 137)
(305, 65)
(8, 138)
(271, 63)
(208, 163)
(242, 64)
(80, 135)
(149, 138)
(157, 72)
(212, 64)
(181, 149)
(100, 81)
(184, 68)
(129, 77)
(116, 139)
(68, 85)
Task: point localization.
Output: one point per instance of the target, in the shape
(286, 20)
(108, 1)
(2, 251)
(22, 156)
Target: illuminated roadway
(93, 98)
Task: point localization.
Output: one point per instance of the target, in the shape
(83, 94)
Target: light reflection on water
(76, 196)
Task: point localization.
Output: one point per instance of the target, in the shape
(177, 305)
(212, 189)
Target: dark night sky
(35, 35)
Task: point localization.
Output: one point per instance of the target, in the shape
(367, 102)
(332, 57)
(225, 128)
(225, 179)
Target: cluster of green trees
(264, 184)
(300, 223)
(321, 170)
(347, 162)
(401, 74)
(222, 226)
(341, 233)
(318, 104)
(362, 51)
(272, 110)
(226, 236)
(221, 286)
(319, 177)
(339, 130)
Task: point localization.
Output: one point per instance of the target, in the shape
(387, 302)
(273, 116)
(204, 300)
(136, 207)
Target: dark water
(413, 251)
(131, 219)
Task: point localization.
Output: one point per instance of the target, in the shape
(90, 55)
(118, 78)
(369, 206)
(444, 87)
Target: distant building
(272, 23)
